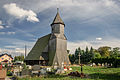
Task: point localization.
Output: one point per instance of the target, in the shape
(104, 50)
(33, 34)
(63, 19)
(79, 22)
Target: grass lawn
(94, 73)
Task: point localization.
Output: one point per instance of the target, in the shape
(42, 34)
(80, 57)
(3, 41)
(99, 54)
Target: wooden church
(51, 49)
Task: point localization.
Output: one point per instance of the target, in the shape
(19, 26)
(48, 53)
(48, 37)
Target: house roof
(6, 54)
(57, 19)
(38, 48)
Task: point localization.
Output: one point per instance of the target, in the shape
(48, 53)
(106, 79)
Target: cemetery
(50, 59)
(47, 73)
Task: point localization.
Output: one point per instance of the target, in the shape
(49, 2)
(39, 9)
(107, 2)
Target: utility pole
(25, 50)
(79, 58)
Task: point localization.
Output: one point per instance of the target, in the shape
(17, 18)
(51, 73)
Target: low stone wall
(2, 74)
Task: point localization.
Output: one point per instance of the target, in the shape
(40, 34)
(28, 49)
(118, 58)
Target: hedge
(114, 61)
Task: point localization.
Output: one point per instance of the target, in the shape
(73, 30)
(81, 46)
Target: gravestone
(43, 72)
(16, 72)
(36, 70)
(99, 64)
(29, 67)
(105, 64)
(25, 72)
(93, 64)
(55, 65)
(102, 64)
(48, 69)
(60, 71)
(36, 67)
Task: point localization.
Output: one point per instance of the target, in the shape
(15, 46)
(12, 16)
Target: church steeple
(57, 19)
(57, 25)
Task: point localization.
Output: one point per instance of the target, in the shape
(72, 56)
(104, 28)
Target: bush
(114, 61)
(9, 73)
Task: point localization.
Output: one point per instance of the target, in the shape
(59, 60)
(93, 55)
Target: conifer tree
(87, 50)
(91, 53)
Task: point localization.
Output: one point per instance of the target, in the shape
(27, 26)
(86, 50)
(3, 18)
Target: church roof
(36, 52)
(57, 19)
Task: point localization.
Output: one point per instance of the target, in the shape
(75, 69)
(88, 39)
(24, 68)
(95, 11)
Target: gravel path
(7, 78)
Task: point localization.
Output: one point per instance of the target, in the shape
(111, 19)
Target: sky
(89, 23)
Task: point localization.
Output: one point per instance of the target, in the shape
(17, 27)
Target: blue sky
(88, 23)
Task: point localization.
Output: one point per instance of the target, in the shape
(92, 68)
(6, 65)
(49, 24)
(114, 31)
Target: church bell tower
(58, 42)
(57, 25)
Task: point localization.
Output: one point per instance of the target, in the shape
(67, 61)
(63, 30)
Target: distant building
(52, 48)
(5, 58)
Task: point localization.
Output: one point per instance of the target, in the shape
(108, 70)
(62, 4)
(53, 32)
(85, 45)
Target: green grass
(94, 73)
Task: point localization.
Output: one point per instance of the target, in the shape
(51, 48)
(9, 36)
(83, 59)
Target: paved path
(7, 78)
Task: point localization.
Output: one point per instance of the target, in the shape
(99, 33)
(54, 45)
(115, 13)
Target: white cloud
(99, 38)
(72, 46)
(0, 50)
(82, 9)
(10, 46)
(19, 50)
(17, 45)
(7, 26)
(0, 22)
(20, 13)
(109, 3)
(95, 44)
(8, 33)
(85, 9)
(2, 33)
(1, 27)
(13, 52)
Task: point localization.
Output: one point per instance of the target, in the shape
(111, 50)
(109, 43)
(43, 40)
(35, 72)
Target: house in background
(5, 58)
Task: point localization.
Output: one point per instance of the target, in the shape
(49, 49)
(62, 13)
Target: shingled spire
(57, 19)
